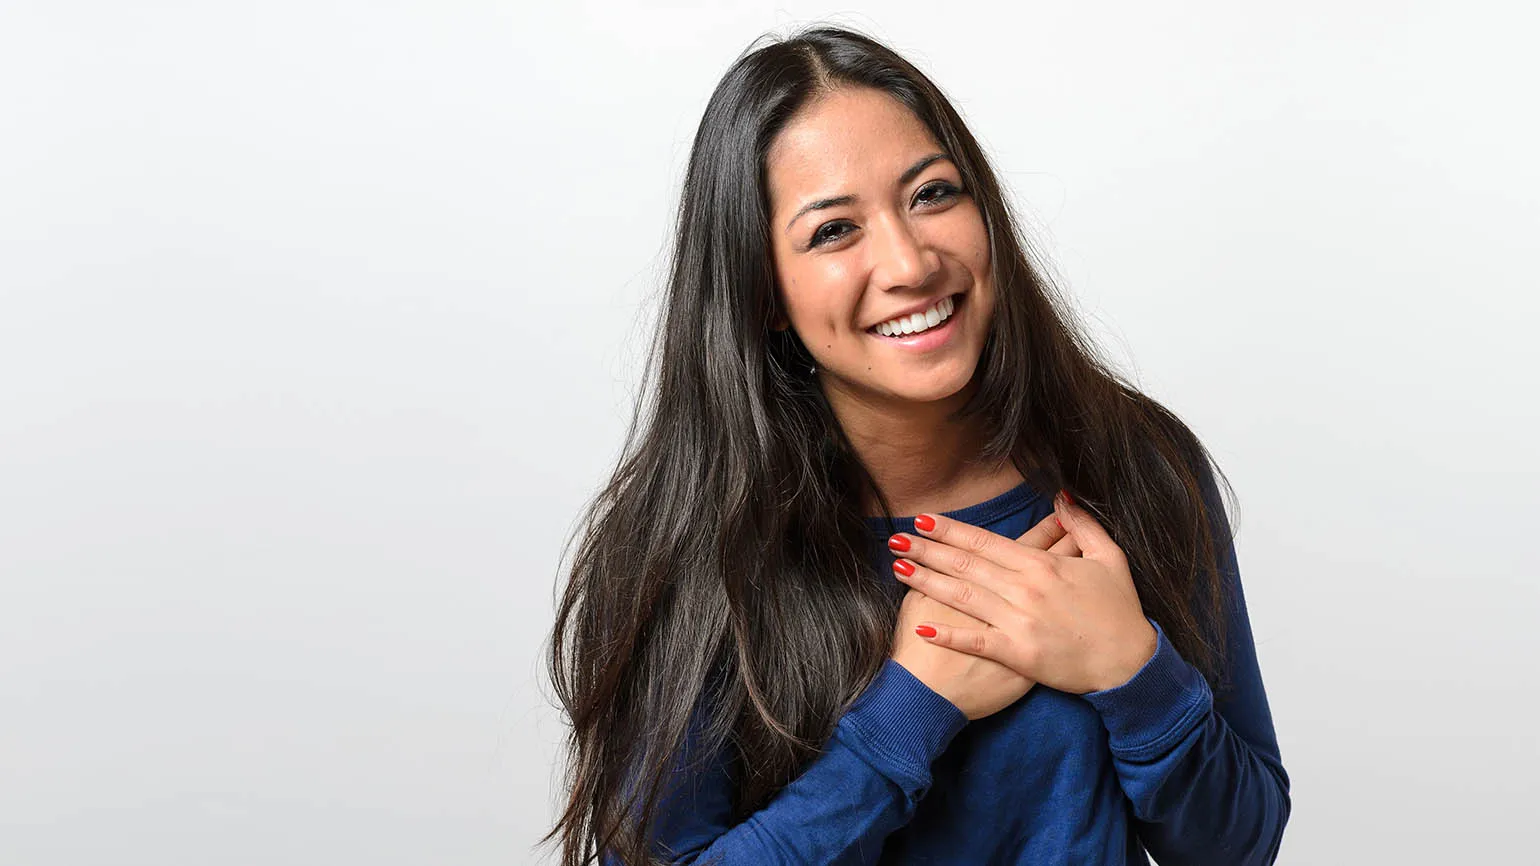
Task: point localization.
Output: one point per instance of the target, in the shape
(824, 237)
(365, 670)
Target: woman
(762, 664)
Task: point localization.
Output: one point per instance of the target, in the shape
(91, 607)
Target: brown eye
(936, 192)
(821, 237)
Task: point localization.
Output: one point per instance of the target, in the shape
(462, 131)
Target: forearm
(1203, 794)
(866, 784)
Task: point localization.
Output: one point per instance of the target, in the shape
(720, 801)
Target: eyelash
(947, 191)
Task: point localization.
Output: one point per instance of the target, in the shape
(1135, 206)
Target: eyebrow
(909, 174)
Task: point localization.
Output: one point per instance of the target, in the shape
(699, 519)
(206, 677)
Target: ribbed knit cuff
(901, 725)
(1158, 706)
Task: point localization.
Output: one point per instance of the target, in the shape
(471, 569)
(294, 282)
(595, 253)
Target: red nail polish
(1068, 498)
(924, 631)
(1058, 521)
(898, 542)
(904, 567)
(924, 522)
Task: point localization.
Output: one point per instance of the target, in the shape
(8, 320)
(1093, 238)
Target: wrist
(1141, 647)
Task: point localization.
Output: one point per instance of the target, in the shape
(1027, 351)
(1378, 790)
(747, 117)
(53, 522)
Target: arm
(1205, 779)
(865, 784)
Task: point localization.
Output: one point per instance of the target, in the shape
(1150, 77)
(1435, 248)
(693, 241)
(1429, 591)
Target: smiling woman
(901, 239)
(831, 608)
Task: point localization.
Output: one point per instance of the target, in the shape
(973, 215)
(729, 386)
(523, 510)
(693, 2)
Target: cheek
(965, 240)
(820, 297)
(978, 246)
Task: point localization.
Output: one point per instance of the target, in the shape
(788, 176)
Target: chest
(1048, 741)
(1033, 781)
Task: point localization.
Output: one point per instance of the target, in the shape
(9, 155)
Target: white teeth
(913, 324)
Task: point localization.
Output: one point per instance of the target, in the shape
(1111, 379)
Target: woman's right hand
(977, 686)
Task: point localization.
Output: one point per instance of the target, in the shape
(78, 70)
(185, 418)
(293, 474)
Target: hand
(977, 686)
(1071, 622)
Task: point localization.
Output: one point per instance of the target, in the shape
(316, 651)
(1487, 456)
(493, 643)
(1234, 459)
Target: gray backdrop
(319, 322)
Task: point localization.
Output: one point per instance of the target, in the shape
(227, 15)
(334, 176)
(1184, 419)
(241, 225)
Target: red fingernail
(924, 522)
(1058, 521)
(904, 567)
(1068, 498)
(924, 631)
(898, 542)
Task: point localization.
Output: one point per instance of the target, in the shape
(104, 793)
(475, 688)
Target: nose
(902, 259)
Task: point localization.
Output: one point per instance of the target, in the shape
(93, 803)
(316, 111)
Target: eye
(934, 193)
(823, 236)
(938, 191)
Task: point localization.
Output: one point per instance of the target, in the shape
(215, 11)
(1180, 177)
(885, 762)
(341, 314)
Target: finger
(927, 609)
(953, 561)
(987, 643)
(954, 592)
(1066, 546)
(1044, 535)
(974, 540)
(1094, 541)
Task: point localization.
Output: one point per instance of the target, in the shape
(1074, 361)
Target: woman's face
(869, 224)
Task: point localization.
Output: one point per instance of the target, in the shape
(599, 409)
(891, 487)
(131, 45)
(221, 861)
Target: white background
(320, 321)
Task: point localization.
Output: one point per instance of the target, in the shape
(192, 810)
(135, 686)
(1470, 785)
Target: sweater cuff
(1157, 707)
(901, 726)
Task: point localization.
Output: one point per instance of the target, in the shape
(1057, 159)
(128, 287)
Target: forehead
(842, 142)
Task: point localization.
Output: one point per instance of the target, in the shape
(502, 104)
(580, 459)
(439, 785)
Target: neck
(920, 458)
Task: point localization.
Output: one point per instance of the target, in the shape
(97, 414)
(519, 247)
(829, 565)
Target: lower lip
(931, 338)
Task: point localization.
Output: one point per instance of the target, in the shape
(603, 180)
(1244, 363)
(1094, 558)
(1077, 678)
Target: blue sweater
(1155, 764)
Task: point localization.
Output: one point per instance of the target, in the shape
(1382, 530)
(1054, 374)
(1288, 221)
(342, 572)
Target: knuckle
(1026, 650)
(978, 642)
(962, 562)
(977, 538)
(1027, 594)
(963, 593)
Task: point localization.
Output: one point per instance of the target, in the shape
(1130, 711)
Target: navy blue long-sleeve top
(1155, 765)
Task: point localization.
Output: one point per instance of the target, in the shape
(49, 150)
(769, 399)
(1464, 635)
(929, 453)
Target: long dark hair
(723, 587)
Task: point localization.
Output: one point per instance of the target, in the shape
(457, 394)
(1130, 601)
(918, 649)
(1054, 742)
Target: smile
(931, 323)
(913, 324)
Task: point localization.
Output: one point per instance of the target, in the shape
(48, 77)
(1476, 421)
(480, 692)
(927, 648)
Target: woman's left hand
(1070, 622)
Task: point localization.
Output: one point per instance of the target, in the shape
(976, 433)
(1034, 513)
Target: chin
(930, 392)
(938, 384)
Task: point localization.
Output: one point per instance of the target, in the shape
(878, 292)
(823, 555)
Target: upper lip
(920, 307)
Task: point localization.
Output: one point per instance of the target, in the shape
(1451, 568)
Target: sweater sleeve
(864, 784)
(1205, 777)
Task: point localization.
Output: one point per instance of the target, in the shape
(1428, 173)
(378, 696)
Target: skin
(1001, 625)
(900, 244)
(1070, 622)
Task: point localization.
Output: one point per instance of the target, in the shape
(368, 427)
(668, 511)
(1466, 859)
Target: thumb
(1044, 535)
(1093, 540)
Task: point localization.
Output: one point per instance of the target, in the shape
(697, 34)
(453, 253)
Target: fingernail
(924, 522)
(1058, 521)
(898, 542)
(904, 567)
(1068, 498)
(924, 631)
